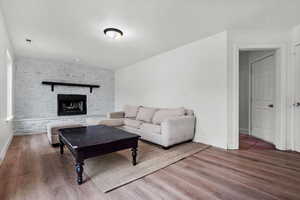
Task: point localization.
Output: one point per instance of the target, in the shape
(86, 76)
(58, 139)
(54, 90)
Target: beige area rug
(113, 170)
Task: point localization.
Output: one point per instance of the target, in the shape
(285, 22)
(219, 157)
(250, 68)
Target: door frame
(281, 54)
(294, 145)
(251, 86)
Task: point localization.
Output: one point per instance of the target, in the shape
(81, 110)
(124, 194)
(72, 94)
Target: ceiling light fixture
(113, 33)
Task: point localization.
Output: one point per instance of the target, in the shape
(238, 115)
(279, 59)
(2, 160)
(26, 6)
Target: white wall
(296, 35)
(193, 76)
(5, 127)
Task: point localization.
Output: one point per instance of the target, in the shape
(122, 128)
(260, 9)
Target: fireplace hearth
(71, 104)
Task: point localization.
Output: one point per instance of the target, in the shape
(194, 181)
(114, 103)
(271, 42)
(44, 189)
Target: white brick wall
(36, 104)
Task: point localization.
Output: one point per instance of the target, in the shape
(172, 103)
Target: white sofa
(165, 127)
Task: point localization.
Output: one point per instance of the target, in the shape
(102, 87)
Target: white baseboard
(244, 130)
(5, 148)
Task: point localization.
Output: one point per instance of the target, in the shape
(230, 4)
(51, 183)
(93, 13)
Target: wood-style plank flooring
(249, 142)
(33, 170)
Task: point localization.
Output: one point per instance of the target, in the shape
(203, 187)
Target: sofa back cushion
(164, 114)
(131, 111)
(146, 114)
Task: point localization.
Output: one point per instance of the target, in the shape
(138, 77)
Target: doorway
(257, 98)
(281, 55)
(296, 102)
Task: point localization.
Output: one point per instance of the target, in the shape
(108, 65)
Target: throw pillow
(131, 111)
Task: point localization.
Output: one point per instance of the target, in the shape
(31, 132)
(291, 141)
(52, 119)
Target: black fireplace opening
(71, 104)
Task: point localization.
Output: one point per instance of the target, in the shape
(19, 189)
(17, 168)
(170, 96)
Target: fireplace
(71, 104)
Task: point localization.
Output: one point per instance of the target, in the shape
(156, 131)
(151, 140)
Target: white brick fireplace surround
(36, 104)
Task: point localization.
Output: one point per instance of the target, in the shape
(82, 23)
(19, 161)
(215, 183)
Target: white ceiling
(73, 29)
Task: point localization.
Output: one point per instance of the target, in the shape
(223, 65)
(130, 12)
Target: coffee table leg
(79, 171)
(134, 154)
(61, 146)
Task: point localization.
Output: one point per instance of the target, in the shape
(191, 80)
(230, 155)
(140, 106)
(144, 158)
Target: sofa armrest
(177, 130)
(115, 115)
(112, 122)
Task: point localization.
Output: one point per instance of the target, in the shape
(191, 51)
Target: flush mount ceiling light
(113, 33)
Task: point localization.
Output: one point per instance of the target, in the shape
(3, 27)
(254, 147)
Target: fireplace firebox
(71, 104)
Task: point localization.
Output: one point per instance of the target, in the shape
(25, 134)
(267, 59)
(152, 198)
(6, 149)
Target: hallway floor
(250, 142)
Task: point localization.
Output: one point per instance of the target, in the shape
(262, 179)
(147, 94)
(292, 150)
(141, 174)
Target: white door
(297, 100)
(263, 98)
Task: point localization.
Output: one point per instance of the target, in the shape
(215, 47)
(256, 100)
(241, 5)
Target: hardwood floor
(249, 142)
(34, 170)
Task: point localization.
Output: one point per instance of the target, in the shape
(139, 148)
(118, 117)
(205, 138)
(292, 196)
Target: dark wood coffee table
(91, 141)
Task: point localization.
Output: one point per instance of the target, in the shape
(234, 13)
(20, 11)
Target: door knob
(271, 106)
(296, 104)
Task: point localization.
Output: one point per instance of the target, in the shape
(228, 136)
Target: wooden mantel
(52, 83)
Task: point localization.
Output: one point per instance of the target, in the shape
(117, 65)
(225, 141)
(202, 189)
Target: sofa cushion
(131, 111)
(55, 130)
(150, 128)
(111, 122)
(145, 114)
(132, 123)
(53, 127)
(130, 129)
(93, 121)
(163, 114)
